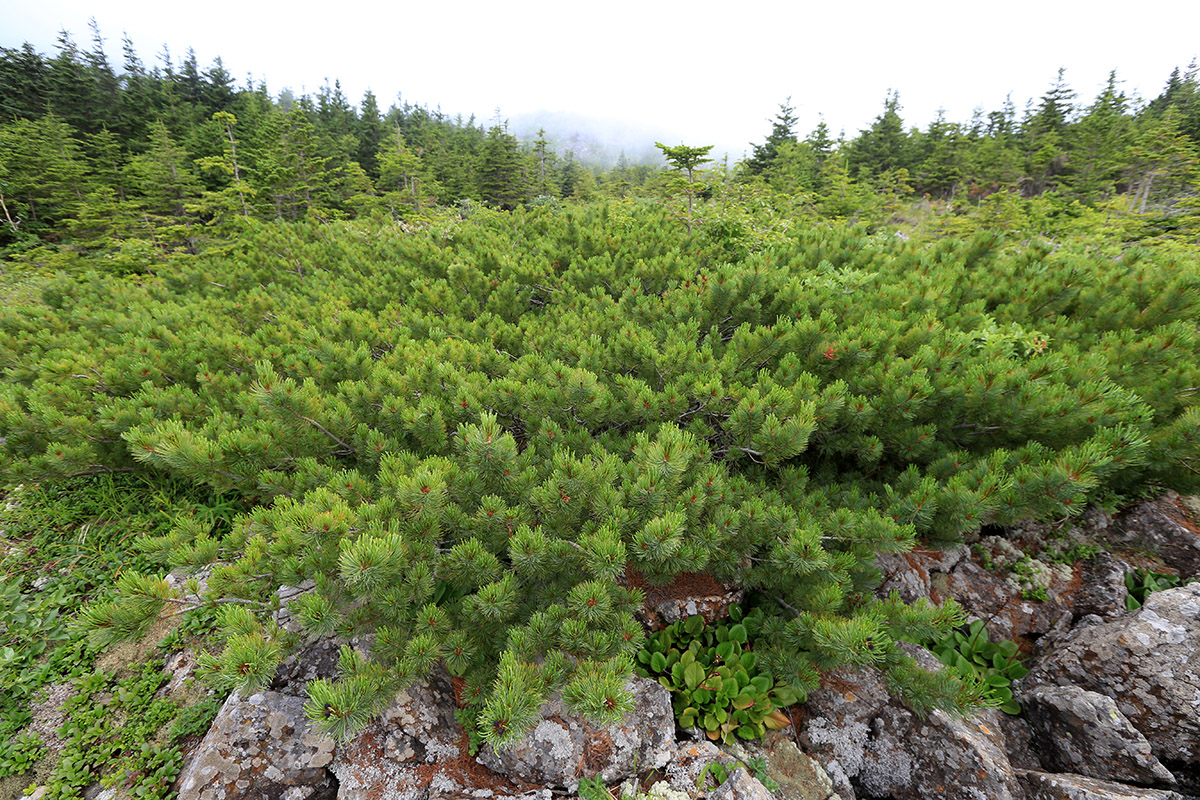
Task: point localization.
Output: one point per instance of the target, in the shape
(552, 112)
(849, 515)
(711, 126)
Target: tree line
(154, 157)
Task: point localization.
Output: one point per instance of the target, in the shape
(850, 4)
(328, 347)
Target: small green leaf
(738, 633)
(693, 675)
(784, 695)
(735, 613)
(744, 700)
(658, 662)
(694, 624)
(1011, 707)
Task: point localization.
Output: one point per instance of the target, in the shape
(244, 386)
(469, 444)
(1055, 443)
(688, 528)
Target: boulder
(798, 776)
(1083, 732)
(940, 757)
(740, 785)
(872, 746)
(1166, 527)
(565, 746)
(985, 595)
(260, 747)
(910, 574)
(1044, 786)
(1148, 662)
(416, 750)
(1103, 591)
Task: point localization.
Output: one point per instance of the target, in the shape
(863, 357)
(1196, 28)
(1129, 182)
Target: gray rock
(835, 723)
(799, 777)
(182, 581)
(318, 659)
(740, 785)
(564, 746)
(1103, 591)
(910, 574)
(986, 596)
(260, 747)
(415, 749)
(1018, 742)
(1148, 661)
(689, 761)
(870, 745)
(1165, 527)
(1044, 786)
(1084, 733)
(939, 757)
(283, 616)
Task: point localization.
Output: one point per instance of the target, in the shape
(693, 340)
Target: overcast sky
(697, 72)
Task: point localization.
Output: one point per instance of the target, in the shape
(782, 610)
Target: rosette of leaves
(974, 656)
(1141, 582)
(714, 677)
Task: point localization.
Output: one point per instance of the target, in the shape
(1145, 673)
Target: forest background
(140, 162)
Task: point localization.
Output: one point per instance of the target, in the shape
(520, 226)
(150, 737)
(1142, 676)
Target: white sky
(698, 72)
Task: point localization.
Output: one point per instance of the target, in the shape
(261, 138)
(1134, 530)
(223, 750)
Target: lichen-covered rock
(689, 761)
(415, 749)
(939, 757)
(740, 785)
(1165, 527)
(1083, 732)
(1103, 589)
(799, 777)
(835, 723)
(317, 659)
(1018, 742)
(1147, 661)
(565, 747)
(1065, 786)
(872, 746)
(260, 747)
(283, 616)
(909, 574)
(985, 595)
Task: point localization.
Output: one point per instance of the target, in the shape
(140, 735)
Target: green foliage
(1141, 582)
(63, 545)
(714, 677)
(994, 665)
(716, 773)
(469, 435)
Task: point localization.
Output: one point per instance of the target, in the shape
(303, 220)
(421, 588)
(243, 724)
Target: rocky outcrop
(416, 750)
(260, 747)
(565, 746)
(740, 786)
(1083, 732)
(872, 746)
(1103, 589)
(1148, 662)
(797, 776)
(1166, 527)
(1045, 786)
